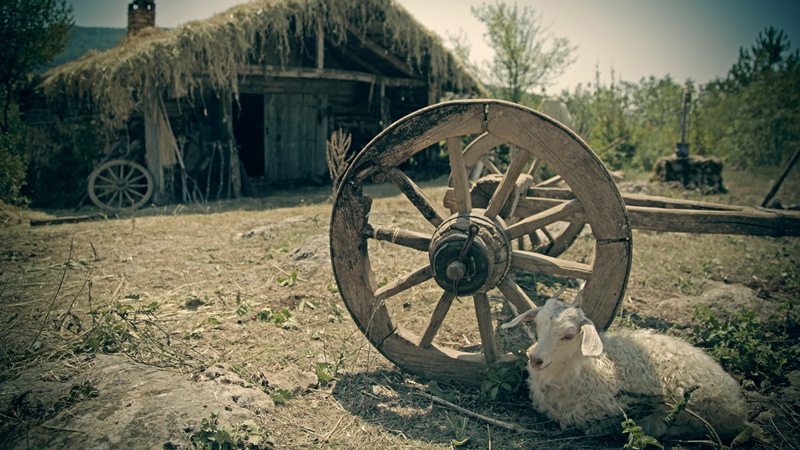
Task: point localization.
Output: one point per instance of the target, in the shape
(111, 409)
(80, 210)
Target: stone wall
(693, 172)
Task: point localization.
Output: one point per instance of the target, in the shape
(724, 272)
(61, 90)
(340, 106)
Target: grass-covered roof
(212, 53)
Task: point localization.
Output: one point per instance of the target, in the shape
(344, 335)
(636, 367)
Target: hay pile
(211, 54)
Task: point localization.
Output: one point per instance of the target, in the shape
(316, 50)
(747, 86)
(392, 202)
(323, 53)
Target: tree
(32, 32)
(753, 116)
(526, 54)
(763, 58)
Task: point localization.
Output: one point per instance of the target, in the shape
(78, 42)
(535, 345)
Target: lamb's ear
(591, 345)
(529, 314)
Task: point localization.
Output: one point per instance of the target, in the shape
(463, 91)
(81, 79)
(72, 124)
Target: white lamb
(586, 380)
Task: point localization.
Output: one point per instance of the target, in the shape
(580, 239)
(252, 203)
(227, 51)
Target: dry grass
(212, 53)
(210, 270)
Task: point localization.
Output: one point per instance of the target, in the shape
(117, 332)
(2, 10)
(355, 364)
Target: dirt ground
(186, 325)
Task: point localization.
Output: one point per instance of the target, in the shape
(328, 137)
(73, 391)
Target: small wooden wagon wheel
(548, 240)
(470, 252)
(120, 185)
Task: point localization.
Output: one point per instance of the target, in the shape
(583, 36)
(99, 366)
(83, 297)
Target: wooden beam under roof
(381, 52)
(329, 74)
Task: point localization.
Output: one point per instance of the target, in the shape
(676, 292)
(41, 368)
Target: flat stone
(137, 405)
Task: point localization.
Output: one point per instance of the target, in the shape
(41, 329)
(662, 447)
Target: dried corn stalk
(336, 155)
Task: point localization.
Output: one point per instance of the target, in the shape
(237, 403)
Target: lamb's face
(558, 330)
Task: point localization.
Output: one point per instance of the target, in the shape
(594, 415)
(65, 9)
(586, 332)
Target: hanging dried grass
(180, 62)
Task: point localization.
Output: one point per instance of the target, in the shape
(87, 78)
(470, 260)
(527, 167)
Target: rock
(314, 254)
(266, 232)
(727, 299)
(792, 392)
(136, 406)
(291, 379)
(316, 247)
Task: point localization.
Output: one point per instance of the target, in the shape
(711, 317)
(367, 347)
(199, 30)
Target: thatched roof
(212, 53)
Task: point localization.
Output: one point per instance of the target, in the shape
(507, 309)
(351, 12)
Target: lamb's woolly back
(586, 380)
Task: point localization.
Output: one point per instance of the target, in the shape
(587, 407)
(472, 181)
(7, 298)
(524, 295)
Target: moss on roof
(211, 53)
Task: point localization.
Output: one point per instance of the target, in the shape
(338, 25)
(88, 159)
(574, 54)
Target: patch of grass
(762, 352)
(136, 331)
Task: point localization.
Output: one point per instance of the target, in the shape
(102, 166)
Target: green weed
(215, 436)
(761, 352)
(280, 396)
(282, 318)
(502, 382)
(289, 280)
(637, 439)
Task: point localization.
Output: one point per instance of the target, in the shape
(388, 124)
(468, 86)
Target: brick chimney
(141, 14)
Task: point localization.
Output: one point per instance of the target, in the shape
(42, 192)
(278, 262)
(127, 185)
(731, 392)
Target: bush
(13, 164)
(63, 156)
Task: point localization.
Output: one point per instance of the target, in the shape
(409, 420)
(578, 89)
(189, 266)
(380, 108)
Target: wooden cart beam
(659, 213)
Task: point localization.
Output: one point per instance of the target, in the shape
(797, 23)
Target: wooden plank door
(295, 130)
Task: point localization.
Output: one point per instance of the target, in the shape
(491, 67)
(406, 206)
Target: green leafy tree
(527, 55)
(752, 117)
(32, 32)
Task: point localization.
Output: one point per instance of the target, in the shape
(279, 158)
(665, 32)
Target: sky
(687, 39)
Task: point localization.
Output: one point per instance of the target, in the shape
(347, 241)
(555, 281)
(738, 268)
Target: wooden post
(151, 143)
(780, 179)
(320, 45)
(233, 151)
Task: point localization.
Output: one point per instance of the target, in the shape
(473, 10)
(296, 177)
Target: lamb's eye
(568, 337)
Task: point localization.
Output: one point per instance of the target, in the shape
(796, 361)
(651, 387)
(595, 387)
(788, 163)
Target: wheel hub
(469, 254)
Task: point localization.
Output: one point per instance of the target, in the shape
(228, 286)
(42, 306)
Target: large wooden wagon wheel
(120, 185)
(481, 163)
(470, 252)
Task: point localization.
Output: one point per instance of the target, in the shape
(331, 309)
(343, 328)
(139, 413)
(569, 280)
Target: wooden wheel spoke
(405, 282)
(136, 193)
(515, 295)
(109, 180)
(130, 199)
(566, 238)
(506, 186)
(459, 175)
(399, 236)
(106, 193)
(130, 174)
(490, 166)
(418, 198)
(557, 213)
(535, 167)
(534, 262)
(137, 178)
(484, 315)
(439, 313)
(550, 182)
(137, 185)
(548, 235)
